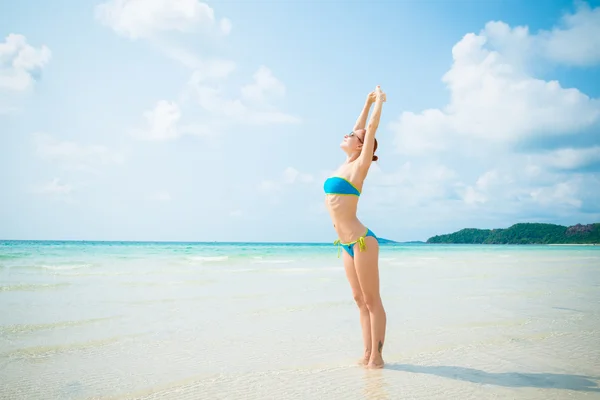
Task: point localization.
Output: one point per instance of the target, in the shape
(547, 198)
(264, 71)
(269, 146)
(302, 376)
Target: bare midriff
(342, 209)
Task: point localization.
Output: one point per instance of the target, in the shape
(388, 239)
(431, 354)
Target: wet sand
(471, 323)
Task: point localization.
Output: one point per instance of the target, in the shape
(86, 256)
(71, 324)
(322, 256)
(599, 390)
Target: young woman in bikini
(361, 246)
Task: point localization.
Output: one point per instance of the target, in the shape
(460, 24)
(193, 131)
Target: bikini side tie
(362, 244)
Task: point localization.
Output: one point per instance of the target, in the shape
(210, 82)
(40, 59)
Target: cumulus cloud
(21, 66)
(254, 106)
(265, 86)
(153, 20)
(161, 122)
(493, 102)
(576, 41)
(423, 196)
(137, 19)
(468, 160)
(494, 98)
(570, 158)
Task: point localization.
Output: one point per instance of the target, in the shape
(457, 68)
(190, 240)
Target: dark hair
(375, 158)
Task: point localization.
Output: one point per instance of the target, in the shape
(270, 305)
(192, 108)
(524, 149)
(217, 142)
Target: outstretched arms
(366, 154)
(362, 118)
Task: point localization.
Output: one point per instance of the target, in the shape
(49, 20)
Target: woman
(361, 247)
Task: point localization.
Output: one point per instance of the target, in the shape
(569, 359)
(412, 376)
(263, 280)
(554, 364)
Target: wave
(11, 256)
(32, 286)
(262, 261)
(28, 328)
(207, 259)
(65, 267)
(40, 352)
(49, 267)
(164, 283)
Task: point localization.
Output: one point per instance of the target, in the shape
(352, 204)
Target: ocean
(129, 320)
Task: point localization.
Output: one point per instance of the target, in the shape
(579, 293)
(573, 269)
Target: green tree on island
(525, 233)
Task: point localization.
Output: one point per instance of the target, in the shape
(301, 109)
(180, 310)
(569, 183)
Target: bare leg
(367, 270)
(365, 321)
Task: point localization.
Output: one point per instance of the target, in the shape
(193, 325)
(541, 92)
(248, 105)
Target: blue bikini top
(339, 185)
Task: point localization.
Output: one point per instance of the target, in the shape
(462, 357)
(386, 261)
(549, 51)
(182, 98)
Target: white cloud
(570, 158)
(265, 86)
(164, 123)
(494, 100)
(74, 155)
(20, 63)
(574, 41)
(562, 193)
(410, 186)
(152, 19)
(144, 18)
(473, 159)
(577, 42)
(255, 105)
(427, 192)
(161, 122)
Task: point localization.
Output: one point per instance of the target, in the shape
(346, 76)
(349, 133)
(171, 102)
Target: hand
(371, 97)
(379, 95)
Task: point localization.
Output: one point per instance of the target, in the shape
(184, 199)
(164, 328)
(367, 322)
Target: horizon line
(386, 241)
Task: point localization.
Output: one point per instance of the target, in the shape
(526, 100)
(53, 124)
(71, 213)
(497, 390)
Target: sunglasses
(354, 134)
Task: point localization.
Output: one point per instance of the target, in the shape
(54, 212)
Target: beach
(117, 320)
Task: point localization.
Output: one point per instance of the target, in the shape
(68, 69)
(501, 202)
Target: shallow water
(179, 320)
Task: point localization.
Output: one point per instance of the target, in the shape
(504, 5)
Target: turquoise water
(128, 320)
(15, 253)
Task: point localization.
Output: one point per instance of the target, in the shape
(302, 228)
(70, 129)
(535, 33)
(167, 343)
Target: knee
(360, 301)
(372, 302)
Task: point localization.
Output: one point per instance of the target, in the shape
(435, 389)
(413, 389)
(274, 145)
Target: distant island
(385, 241)
(525, 233)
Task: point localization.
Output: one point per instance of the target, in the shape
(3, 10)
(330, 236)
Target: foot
(365, 359)
(375, 363)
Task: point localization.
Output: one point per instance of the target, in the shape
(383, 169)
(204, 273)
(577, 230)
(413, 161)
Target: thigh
(351, 275)
(366, 264)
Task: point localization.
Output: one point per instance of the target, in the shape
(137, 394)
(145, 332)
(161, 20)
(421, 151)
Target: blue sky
(183, 120)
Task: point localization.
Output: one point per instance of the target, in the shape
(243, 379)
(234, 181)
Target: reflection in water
(375, 385)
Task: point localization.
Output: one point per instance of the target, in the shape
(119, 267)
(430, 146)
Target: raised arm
(366, 154)
(362, 118)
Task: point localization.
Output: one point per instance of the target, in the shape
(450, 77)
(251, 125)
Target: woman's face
(352, 141)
